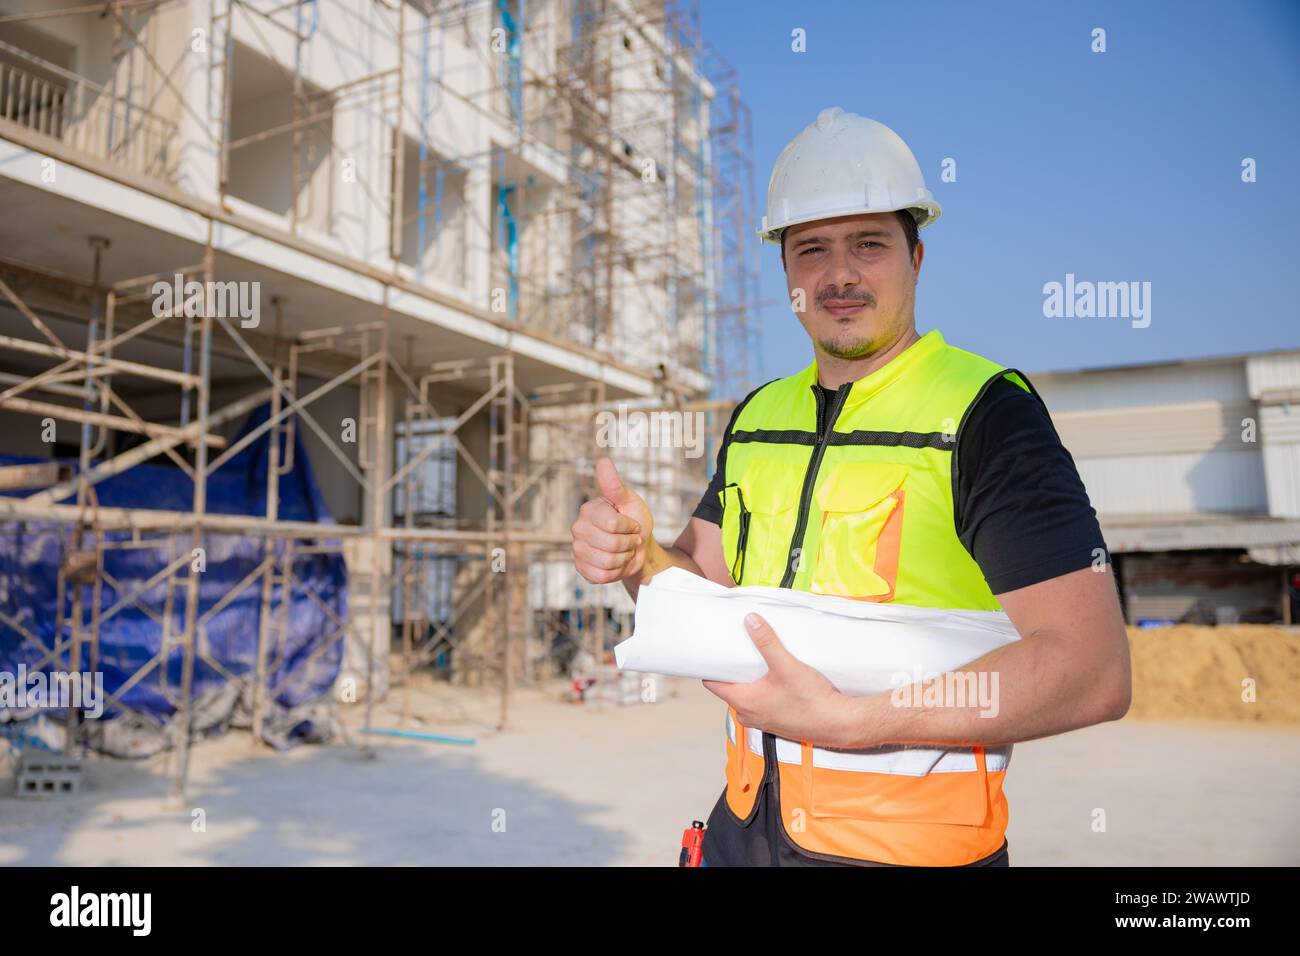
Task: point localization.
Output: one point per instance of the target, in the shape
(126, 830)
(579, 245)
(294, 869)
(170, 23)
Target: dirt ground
(569, 784)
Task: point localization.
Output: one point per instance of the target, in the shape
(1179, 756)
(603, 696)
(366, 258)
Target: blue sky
(1115, 166)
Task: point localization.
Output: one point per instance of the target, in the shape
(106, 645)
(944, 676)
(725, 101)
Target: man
(895, 467)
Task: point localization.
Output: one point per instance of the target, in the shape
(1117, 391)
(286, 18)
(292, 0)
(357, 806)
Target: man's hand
(791, 700)
(614, 533)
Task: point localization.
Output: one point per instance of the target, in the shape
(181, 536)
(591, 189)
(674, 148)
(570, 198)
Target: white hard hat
(840, 165)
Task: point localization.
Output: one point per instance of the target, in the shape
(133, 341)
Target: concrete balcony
(43, 97)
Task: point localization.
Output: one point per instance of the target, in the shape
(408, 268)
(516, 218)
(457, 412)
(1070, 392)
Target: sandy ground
(1243, 673)
(615, 786)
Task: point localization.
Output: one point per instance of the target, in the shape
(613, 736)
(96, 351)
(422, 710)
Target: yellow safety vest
(865, 510)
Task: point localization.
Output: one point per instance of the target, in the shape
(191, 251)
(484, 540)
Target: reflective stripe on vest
(864, 508)
(891, 758)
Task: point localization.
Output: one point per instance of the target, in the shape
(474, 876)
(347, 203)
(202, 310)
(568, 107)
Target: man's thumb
(611, 485)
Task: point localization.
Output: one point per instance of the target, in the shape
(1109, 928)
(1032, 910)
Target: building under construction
(308, 314)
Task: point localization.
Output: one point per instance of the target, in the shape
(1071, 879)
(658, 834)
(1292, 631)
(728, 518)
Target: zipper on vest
(738, 567)
(801, 523)
(810, 478)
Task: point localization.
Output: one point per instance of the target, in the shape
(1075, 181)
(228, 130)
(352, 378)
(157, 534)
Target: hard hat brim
(931, 209)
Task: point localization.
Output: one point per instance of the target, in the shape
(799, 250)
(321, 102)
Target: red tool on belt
(692, 845)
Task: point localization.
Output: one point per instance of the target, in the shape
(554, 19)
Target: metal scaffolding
(625, 255)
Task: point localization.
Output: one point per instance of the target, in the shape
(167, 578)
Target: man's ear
(917, 256)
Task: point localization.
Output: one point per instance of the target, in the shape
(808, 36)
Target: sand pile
(1189, 671)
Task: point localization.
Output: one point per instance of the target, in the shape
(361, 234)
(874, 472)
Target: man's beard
(851, 344)
(847, 348)
(852, 349)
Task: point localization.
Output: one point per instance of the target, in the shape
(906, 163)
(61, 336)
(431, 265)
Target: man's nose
(842, 270)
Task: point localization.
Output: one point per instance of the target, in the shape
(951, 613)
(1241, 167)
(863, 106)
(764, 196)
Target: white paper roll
(688, 626)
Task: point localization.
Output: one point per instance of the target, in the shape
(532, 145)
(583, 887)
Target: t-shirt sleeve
(1021, 508)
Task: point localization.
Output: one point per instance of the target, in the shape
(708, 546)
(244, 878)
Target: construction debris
(45, 774)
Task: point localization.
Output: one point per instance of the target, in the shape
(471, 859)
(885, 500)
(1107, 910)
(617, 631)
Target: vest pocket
(918, 785)
(862, 523)
(758, 519)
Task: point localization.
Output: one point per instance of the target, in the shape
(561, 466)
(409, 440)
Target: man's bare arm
(1070, 669)
(698, 549)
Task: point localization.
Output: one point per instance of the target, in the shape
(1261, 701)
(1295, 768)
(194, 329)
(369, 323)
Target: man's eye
(811, 249)
(868, 242)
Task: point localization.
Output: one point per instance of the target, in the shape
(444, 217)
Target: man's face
(858, 282)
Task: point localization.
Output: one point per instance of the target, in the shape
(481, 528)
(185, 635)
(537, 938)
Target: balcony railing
(45, 98)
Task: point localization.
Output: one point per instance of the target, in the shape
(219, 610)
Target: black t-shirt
(1020, 510)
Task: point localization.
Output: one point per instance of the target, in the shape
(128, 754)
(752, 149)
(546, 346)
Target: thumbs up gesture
(613, 532)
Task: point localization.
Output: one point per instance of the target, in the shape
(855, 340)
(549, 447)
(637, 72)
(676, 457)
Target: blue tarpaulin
(304, 655)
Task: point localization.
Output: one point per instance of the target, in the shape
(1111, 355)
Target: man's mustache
(855, 296)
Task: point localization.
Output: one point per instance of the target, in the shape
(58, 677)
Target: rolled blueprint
(688, 626)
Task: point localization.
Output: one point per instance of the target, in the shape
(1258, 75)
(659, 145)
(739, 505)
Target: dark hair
(910, 233)
(910, 230)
